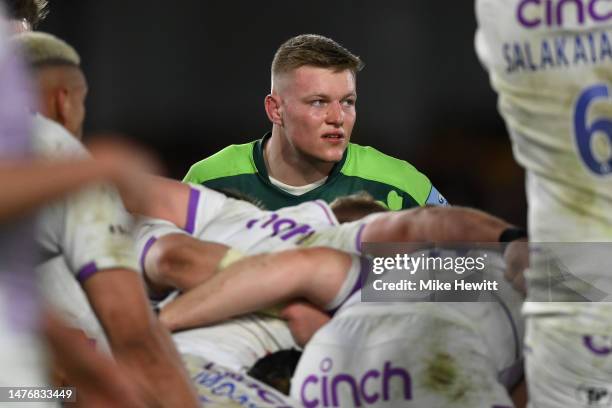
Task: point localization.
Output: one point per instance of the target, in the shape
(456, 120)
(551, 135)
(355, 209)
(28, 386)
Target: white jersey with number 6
(551, 64)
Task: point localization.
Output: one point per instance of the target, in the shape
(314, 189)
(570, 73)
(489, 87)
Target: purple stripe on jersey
(363, 270)
(145, 251)
(515, 333)
(86, 271)
(358, 238)
(325, 209)
(194, 198)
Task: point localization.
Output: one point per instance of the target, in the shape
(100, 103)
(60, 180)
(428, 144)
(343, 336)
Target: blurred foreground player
(91, 231)
(551, 64)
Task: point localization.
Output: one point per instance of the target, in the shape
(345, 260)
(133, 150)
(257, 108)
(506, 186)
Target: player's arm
(99, 380)
(157, 197)
(138, 341)
(435, 224)
(180, 261)
(28, 184)
(304, 319)
(257, 282)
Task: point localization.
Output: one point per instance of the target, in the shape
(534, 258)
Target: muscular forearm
(258, 282)
(156, 197)
(181, 261)
(98, 379)
(28, 184)
(435, 224)
(154, 362)
(137, 340)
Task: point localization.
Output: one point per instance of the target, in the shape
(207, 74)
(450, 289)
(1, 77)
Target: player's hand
(304, 320)
(122, 159)
(516, 256)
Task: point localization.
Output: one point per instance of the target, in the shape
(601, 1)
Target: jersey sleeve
(204, 206)
(435, 198)
(92, 230)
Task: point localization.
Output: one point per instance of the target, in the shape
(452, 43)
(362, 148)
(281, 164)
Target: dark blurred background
(188, 77)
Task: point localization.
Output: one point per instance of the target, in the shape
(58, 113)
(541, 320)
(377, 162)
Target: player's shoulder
(371, 164)
(232, 160)
(50, 139)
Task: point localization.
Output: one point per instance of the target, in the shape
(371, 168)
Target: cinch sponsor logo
(284, 228)
(556, 13)
(326, 389)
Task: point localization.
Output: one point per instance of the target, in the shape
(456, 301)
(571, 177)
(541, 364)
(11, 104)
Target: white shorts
(569, 357)
(398, 355)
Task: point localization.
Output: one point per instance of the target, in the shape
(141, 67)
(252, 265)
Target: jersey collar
(260, 164)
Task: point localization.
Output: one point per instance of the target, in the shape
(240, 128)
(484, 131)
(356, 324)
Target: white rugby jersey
(550, 62)
(91, 228)
(216, 218)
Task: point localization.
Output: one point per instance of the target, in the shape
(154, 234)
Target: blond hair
(43, 49)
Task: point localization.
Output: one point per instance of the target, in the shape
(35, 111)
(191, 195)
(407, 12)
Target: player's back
(551, 64)
(245, 227)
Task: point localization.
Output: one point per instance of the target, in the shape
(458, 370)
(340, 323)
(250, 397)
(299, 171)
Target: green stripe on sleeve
(231, 161)
(370, 164)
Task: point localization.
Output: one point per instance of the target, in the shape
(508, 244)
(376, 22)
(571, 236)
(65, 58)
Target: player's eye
(349, 102)
(317, 102)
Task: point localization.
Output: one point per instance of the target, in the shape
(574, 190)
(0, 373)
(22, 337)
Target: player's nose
(335, 114)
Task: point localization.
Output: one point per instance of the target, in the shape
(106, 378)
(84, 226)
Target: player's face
(318, 111)
(75, 110)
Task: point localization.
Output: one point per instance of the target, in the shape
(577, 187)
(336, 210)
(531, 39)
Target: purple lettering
(579, 10)
(530, 63)
(594, 15)
(273, 217)
(599, 350)
(325, 391)
(302, 229)
(218, 390)
(372, 398)
(520, 14)
(309, 403)
(554, 14)
(353, 385)
(549, 13)
(356, 389)
(389, 372)
(277, 227)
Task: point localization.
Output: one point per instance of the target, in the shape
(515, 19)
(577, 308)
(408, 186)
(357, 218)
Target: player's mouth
(333, 136)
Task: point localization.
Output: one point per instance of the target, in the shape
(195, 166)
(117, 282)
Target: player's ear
(274, 109)
(62, 105)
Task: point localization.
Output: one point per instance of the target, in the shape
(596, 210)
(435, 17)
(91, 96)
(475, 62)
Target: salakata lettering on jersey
(558, 51)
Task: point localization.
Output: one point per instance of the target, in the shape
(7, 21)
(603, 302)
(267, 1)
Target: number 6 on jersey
(584, 132)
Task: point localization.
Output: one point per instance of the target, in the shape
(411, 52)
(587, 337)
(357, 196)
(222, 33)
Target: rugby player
(307, 155)
(551, 65)
(90, 230)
